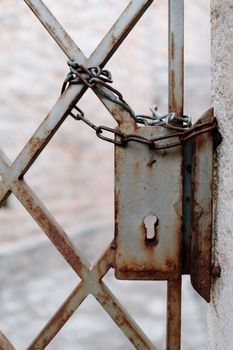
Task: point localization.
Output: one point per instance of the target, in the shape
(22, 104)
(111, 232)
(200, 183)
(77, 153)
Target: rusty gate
(12, 175)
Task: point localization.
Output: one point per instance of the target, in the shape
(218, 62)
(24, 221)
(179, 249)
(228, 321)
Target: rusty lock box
(148, 185)
(163, 207)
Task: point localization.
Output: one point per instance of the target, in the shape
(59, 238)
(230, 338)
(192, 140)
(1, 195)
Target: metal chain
(99, 80)
(154, 143)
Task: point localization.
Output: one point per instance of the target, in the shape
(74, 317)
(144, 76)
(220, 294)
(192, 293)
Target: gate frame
(13, 182)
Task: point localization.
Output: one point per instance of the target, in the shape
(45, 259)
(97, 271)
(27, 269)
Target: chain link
(99, 79)
(155, 143)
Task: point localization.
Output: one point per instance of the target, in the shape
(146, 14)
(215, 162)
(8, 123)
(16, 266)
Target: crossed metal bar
(13, 182)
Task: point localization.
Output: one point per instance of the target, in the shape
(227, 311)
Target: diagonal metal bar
(117, 111)
(5, 343)
(50, 226)
(55, 29)
(42, 137)
(91, 280)
(45, 220)
(91, 276)
(59, 319)
(72, 303)
(63, 314)
(131, 15)
(64, 104)
(119, 30)
(123, 320)
(106, 299)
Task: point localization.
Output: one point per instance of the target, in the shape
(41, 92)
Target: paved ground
(74, 175)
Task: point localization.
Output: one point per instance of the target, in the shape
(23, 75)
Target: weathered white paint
(220, 315)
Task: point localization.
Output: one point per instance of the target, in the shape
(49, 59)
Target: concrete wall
(221, 307)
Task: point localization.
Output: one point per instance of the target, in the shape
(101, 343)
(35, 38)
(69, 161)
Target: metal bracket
(163, 208)
(198, 203)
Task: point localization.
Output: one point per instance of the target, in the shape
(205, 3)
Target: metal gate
(12, 180)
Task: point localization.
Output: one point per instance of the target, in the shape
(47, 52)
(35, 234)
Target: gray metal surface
(12, 182)
(143, 177)
(202, 211)
(176, 56)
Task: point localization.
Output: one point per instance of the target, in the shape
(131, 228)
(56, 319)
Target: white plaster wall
(220, 314)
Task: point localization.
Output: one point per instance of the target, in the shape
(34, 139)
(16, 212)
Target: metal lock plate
(147, 183)
(202, 211)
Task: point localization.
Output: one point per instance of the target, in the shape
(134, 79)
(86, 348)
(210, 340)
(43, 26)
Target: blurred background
(74, 174)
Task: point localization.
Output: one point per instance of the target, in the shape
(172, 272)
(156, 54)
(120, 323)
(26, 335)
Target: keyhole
(151, 224)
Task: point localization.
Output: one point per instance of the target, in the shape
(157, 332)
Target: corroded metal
(55, 29)
(62, 107)
(175, 104)
(176, 56)
(5, 343)
(143, 176)
(202, 211)
(188, 169)
(123, 319)
(73, 301)
(12, 182)
(174, 313)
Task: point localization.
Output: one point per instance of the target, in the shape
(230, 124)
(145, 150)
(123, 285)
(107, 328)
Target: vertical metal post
(175, 104)
(173, 314)
(176, 56)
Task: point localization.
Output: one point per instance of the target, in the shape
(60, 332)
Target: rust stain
(175, 103)
(215, 270)
(146, 274)
(116, 199)
(148, 270)
(137, 166)
(170, 265)
(172, 87)
(172, 47)
(202, 218)
(151, 163)
(117, 113)
(125, 323)
(34, 144)
(206, 117)
(114, 40)
(57, 237)
(173, 314)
